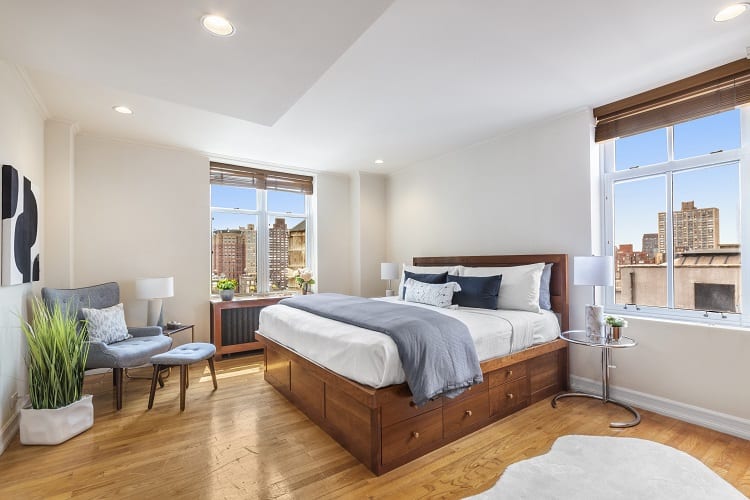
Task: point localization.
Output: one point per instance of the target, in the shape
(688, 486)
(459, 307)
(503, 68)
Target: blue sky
(233, 197)
(637, 203)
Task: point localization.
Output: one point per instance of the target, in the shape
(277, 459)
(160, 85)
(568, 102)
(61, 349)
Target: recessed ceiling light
(217, 25)
(731, 11)
(123, 109)
(378, 161)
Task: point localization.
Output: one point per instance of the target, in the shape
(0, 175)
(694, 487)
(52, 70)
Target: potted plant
(226, 288)
(56, 360)
(304, 278)
(615, 323)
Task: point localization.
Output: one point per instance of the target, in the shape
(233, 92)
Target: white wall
(368, 235)
(143, 211)
(333, 233)
(531, 191)
(21, 145)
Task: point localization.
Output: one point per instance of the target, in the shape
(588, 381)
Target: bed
(375, 419)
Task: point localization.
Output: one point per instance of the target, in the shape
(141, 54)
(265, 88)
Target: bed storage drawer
(416, 432)
(467, 414)
(508, 374)
(507, 398)
(403, 407)
(277, 369)
(468, 393)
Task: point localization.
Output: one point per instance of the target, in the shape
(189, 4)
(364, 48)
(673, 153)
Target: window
(673, 220)
(261, 228)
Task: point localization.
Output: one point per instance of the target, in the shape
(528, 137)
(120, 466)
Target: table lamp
(154, 290)
(389, 271)
(594, 271)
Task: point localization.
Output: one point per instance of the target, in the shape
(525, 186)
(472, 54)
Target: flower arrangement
(304, 277)
(225, 284)
(616, 321)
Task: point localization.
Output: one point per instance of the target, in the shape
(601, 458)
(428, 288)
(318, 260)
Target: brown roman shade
(713, 91)
(249, 177)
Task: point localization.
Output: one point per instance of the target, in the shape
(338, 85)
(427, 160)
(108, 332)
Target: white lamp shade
(154, 288)
(388, 271)
(596, 271)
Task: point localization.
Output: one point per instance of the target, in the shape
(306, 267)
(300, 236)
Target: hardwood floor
(247, 441)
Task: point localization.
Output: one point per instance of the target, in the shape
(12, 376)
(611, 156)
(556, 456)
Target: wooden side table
(220, 307)
(606, 345)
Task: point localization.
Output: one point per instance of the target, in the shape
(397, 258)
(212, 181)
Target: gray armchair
(146, 342)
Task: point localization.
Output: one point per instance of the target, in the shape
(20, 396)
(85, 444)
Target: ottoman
(182, 356)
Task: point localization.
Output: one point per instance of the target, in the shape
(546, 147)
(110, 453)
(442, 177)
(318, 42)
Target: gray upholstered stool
(182, 356)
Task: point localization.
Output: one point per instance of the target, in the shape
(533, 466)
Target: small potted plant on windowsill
(226, 288)
(615, 324)
(56, 360)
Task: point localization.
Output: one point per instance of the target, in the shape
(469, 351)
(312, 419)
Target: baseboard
(9, 431)
(715, 420)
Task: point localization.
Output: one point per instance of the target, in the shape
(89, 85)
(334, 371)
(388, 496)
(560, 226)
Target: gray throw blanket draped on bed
(436, 351)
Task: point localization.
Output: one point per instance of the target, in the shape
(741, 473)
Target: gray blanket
(436, 351)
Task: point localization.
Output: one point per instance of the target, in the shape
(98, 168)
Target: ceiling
(334, 84)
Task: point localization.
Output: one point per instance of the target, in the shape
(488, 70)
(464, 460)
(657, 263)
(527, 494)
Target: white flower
(306, 275)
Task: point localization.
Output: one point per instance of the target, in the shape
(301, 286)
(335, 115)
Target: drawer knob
(510, 372)
(509, 395)
(468, 413)
(415, 435)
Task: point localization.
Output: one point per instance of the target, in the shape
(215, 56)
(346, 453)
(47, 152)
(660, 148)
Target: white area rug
(612, 468)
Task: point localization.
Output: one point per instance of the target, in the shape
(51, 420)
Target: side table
(171, 331)
(606, 345)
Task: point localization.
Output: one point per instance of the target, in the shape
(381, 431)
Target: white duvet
(371, 358)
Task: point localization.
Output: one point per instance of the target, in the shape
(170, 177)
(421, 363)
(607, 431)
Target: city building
(650, 245)
(278, 254)
(228, 253)
(694, 228)
(297, 250)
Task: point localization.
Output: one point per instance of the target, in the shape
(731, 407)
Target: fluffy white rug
(594, 467)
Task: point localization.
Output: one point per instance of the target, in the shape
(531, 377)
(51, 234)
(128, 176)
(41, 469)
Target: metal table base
(604, 398)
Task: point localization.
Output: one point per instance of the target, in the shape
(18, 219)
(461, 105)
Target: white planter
(58, 425)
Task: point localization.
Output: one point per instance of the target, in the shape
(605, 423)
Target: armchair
(146, 342)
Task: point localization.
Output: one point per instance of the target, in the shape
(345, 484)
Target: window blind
(249, 177)
(713, 91)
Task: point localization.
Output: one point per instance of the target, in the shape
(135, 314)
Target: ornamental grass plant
(56, 359)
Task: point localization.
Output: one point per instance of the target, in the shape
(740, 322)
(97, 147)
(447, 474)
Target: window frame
(263, 236)
(610, 176)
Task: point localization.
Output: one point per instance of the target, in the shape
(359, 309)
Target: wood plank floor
(247, 441)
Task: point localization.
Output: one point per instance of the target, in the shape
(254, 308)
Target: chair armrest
(100, 356)
(144, 331)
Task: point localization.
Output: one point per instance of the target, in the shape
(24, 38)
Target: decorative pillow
(545, 300)
(476, 291)
(424, 278)
(438, 295)
(520, 288)
(106, 325)
(424, 270)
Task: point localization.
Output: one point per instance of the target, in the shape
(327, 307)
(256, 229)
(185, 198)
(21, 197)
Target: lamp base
(155, 313)
(390, 293)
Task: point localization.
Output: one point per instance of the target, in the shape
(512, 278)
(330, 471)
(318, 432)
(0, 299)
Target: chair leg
(213, 371)
(187, 376)
(160, 379)
(114, 378)
(183, 386)
(154, 378)
(118, 387)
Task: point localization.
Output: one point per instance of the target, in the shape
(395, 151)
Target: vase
(616, 332)
(305, 288)
(226, 295)
(54, 426)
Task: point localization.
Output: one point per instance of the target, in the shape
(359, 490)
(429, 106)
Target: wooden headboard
(558, 284)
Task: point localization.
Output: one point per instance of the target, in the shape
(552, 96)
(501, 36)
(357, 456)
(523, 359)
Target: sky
(637, 203)
(234, 197)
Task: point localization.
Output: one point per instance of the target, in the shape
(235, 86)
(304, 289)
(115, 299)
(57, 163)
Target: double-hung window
(261, 228)
(673, 213)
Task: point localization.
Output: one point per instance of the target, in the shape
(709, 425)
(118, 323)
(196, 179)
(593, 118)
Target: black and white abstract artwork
(20, 224)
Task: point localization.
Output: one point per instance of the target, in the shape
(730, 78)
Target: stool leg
(153, 386)
(187, 376)
(213, 372)
(118, 387)
(183, 386)
(161, 379)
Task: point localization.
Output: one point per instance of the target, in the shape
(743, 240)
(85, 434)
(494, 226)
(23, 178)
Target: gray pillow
(545, 301)
(106, 325)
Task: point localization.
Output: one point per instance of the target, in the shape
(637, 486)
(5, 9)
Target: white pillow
(519, 288)
(438, 295)
(424, 270)
(106, 325)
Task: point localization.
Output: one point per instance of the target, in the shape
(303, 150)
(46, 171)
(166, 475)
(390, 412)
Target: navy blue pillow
(477, 291)
(424, 278)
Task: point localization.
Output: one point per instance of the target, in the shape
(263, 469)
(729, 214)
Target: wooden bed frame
(383, 428)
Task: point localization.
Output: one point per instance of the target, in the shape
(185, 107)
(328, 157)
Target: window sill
(733, 322)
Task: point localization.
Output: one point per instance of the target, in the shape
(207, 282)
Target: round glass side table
(606, 345)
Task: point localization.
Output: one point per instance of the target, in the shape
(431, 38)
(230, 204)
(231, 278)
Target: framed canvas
(20, 229)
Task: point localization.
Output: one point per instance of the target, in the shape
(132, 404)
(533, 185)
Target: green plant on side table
(615, 324)
(226, 288)
(56, 360)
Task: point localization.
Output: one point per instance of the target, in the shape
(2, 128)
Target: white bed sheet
(371, 358)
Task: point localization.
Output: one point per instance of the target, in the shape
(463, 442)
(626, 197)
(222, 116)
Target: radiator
(238, 325)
